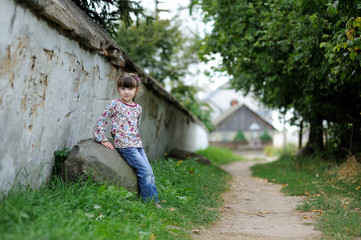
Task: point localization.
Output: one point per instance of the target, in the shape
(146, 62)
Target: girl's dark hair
(128, 80)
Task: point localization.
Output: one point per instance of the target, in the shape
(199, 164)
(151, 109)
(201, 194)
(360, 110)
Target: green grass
(189, 193)
(336, 202)
(220, 156)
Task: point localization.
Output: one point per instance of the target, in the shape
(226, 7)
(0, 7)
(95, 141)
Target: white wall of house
(282, 138)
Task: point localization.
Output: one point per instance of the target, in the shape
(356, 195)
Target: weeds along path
(255, 209)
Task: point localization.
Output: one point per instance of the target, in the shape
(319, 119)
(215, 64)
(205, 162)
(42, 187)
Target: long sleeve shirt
(125, 120)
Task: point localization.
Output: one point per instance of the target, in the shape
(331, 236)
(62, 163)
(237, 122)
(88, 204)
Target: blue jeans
(137, 159)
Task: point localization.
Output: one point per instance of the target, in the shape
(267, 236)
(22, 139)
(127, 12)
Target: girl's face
(127, 94)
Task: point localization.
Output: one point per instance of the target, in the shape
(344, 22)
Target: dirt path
(255, 209)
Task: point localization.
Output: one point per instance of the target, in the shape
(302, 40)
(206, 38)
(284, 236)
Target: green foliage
(160, 48)
(335, 201)
(187, 95)
(107, 13)
(220, 156)
(272, 48)
(265, 136)
(86, 210)
(240, 136)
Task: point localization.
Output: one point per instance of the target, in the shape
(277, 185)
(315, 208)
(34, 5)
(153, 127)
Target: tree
(108, 13)
(342, 50)
(187, 95)
(272, 48)
(160, 48)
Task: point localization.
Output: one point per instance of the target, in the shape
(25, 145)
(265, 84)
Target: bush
(240, 136)
(265, 136)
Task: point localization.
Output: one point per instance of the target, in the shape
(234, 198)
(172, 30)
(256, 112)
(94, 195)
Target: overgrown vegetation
(219, 156)
(189, 193)
(333, 192)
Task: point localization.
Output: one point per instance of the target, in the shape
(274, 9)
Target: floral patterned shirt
(124, 121)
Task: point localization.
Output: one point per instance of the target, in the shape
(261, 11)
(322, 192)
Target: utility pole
(284, 132)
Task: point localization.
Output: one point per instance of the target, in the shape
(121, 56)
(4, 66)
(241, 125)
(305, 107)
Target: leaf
(323, 44)
(264, 212)
(358, 57)
(317, 211)
(353, 55)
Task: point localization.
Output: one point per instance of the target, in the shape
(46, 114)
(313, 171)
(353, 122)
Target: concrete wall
(57, 72)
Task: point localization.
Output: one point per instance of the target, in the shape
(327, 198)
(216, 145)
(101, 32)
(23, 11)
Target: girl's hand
(108, 145)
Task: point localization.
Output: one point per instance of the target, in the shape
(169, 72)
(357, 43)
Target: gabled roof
(232, 110)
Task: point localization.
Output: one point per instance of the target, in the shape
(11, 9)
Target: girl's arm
(101, 126)
(139, 118)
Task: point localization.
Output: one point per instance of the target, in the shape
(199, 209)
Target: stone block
(90, 159)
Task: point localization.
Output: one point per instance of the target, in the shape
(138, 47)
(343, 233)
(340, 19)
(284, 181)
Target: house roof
(232, 110)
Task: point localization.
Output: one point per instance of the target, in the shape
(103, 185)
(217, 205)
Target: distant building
(240, 117)
(221, 99)
(232, 113)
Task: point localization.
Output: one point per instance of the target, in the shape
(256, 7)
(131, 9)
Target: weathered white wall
(55, 79)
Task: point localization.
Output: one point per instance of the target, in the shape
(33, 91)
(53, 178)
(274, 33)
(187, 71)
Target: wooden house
(240, 117)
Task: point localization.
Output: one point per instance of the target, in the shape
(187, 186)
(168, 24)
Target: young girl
(125, 116)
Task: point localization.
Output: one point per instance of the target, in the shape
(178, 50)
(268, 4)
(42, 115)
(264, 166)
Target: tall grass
(220, 156)
(188, 192)
(336, 201)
